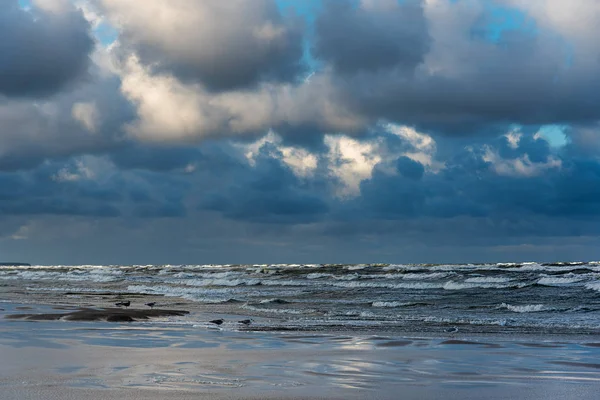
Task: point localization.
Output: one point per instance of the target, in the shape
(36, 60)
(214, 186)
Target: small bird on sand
(123, 303)
(152, 304)
(217, 321)
(245, 322)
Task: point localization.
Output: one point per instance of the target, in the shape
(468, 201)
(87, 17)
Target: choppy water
(562, 298)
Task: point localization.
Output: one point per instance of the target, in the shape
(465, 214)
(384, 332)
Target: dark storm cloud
(470, 186)
(32, 132)
(467, 75)
(71, 188)
(490, 101)
(269, 192)
(409, 168)
(35, 194)
(353, 38)
(155, 158)
(40, 53)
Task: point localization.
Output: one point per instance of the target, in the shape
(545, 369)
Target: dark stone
(102, 314)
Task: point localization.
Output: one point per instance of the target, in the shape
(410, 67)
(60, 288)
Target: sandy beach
(65, 359)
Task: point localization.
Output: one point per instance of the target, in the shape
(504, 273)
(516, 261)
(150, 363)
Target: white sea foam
(487, 279)
(356, 267)
(396, 267)
(461, 321)
(73, 276)
(453, 285)
(391, 304)
(558, 281)
(347, 277)
(198, 295)
(294, 311)
(593, 286)
(528, 308)
(318, 275)
(207, 275)
(367, 314)
(71, 289)
(286, 282)
(221, 282)
(387, 285)
(433, 275)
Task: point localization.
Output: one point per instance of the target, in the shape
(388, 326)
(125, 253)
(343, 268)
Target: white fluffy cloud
(220, 44)
(301, 161)
(351, 162)
(87, 114)
(54, 6)
(170, 110)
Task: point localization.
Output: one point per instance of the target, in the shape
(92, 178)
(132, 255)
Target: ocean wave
(318, 275)
(221, 282)
(367, 314)
(71, 290)
(356, 267)
(274, 301)
(433, 275)
(387, 285)
(593, 286)
(554, 268)
(75, 276)
(555, 281)
(286, 282)
(395, 304)
(207, 275)
(197, 295)
(294, 311)
(396, 267)
(460, 321)
(525, 308)
(487, 279)
(453, 285)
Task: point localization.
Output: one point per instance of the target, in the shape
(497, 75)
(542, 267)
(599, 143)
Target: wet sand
(160, 358)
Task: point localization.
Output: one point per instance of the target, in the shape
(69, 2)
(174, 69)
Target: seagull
(451, 330)
(217, 321)
(151, 304)
(245, 322)
(123, 303)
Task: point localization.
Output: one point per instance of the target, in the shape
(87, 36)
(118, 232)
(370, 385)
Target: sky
(299, 131)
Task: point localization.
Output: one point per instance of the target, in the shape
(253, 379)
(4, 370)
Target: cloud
(221, 45)
(470, 72)
(86, 119)
(87, 114)
(372, 36)
(268, 191)
(43, 49)
(302, 162)
(91, 186)
(522, 182)
(351, 161)
(418, 125)
(170, 110)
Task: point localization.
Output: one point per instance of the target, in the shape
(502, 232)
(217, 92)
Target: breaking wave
(524, 309)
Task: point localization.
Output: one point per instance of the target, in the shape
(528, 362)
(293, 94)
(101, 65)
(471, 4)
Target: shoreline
(199, 318)
(157, 359)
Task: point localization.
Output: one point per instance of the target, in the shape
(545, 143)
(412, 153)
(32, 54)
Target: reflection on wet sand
(103, 356)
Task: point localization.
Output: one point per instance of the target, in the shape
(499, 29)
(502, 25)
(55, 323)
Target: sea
(429, 299)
